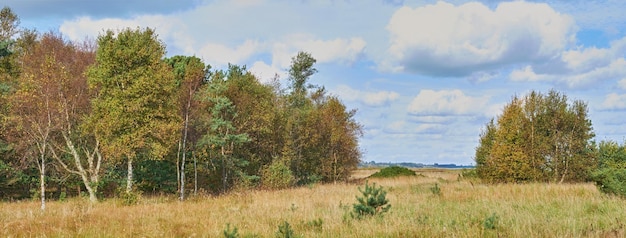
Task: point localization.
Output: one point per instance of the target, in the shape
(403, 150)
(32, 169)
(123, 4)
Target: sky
(424, 76)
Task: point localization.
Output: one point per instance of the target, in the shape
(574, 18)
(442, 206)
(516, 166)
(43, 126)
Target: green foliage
(133, 111)
(230, 233)
(285, 231)
(540, 137)
(393, 171)
(610, 177)
(156, 176)
(62, 196)
(611, 181)
(222, 137)
(277, 175)
(316, 224)
(129, 198)
(436, 190)
(372, 202)
(490, 222)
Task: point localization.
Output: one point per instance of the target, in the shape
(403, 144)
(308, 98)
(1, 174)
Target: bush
(393, 171)
(490, 222)
(129, 198)
(285, 231)
(373, 202)
(231, 233)
(436, 190)
(277, 176)
(611, 181)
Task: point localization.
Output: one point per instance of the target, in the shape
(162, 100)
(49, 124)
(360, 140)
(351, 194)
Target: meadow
(436, 203)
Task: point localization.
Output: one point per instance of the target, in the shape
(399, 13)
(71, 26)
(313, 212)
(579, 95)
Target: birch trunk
(129, 176)
(184, 149)
(42, 181)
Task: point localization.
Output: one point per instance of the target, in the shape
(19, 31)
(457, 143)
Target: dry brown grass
(528, 210)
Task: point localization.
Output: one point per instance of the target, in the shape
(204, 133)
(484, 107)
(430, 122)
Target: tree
(9, 71)
(135, 97)
(55, 88)
(190, 73)
(257, 110)
(610, 177)
(341, 131)
(483, 151)
(538, 138)
(298, 108)
(508, 160)
(33, 114)
(222, 134)
(9, 23)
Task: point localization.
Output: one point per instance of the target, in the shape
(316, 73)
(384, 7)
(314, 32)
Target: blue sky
(425, 76)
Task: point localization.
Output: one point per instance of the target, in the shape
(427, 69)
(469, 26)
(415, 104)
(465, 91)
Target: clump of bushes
(611, 181)
(393, 171)
(277, 175)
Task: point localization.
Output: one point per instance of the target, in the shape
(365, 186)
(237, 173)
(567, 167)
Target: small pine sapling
(231, 233)
(285, 231)
(373, 202)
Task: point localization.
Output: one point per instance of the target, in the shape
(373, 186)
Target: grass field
(461, 208)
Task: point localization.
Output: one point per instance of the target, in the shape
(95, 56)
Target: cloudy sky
(424, 75)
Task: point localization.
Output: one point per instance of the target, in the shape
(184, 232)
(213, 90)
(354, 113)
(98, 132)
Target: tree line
(548, 138)
(116, 115)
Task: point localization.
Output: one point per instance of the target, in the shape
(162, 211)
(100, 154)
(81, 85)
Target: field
(461, 208)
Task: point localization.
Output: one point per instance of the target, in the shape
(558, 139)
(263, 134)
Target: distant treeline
(414, 165)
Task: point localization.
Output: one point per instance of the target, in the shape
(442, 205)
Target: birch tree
(135, 98)
(540, 137)
(190, 74)
(33, 115)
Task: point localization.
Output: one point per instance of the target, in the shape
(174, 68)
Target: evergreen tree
(222, 135)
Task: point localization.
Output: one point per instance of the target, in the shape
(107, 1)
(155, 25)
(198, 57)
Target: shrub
(285, 231)
(316, 224)
(393, 171)
(490, 222)
(129, 198)
(277, 175)
(436, 190)
(231, 233)
(611, 181)
(373, 202)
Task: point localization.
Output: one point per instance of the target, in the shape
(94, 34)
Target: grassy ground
(460, 209)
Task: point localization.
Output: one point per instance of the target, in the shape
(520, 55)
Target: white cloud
(446, 103)
(368, 98)
(324, 51)
(173, 31)
(579, 68)
(220, 55)
(201, 31)
(614, 101)
(622, 84)
(527, 74)
(483, 76)
(447, 40)
(265, 73)
(402, 127)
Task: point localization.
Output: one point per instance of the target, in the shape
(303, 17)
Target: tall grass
(462, 209)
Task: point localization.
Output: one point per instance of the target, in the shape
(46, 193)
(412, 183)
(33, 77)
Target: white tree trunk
(195, 177)
(42, 182)
(129, 177)
(182, 166)
(89, 176)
